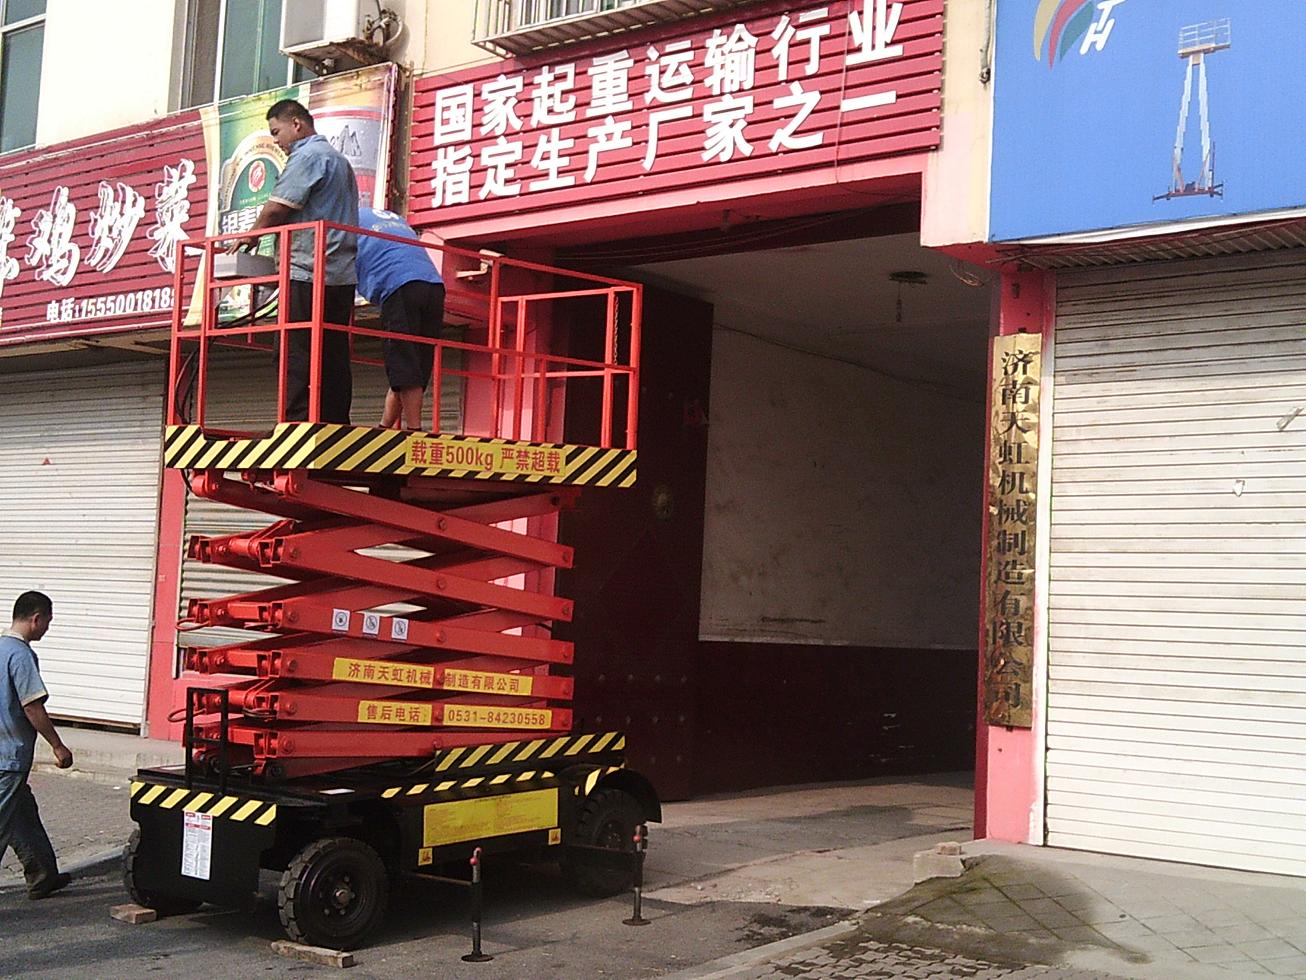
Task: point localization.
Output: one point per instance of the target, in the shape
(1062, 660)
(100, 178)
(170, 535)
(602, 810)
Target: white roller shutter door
(1177, 600)
(79, 498)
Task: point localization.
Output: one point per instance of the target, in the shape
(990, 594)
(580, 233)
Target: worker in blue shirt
(404, 282)
(22, 716)
(317, 184)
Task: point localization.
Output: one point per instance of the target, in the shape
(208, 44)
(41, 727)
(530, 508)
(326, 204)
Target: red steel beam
(333, 553)
(421, 521)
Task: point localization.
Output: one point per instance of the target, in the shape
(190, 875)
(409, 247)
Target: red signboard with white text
(88, 229)
(764, 90)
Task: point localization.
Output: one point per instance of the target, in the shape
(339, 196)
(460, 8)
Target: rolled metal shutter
(1177, 602)
(79, 504)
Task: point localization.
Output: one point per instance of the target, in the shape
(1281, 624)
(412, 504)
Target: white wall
(843, 507)
(955, 188)
(106, 63)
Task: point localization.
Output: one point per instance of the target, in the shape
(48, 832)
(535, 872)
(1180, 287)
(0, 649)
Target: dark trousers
(337, 377)
(21, 829)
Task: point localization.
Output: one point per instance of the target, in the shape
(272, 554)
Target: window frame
(36, 20)
(188, 97)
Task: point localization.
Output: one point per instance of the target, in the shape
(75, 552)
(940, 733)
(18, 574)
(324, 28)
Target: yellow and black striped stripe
(259, 812)
(593, 778)
(358, 449)
(570, 748)
(564, 750)
(474, 782)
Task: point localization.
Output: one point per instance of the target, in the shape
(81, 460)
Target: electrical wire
(904, 379)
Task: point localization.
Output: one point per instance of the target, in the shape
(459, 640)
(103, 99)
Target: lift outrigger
(390, 712)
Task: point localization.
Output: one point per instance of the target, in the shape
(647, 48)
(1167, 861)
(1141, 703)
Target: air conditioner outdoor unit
(330, 35)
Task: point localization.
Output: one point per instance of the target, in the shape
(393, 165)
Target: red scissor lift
(400, 691)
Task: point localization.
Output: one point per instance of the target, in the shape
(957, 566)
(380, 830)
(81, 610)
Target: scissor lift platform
(398, 699)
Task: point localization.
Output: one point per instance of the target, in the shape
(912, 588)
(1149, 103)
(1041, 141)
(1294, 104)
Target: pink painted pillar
(1007, 769)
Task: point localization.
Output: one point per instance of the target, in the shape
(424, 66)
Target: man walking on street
(403, 281)
(317, 184)
(22, 715)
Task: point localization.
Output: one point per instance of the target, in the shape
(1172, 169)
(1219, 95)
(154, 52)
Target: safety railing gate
(417, 596)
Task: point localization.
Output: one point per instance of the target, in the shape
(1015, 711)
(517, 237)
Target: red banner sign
(782, 88)
(88, 230)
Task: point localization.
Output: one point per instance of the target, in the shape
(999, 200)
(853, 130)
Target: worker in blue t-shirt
(403, 281)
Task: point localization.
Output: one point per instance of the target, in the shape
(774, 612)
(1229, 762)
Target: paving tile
(1289, 967)
(1022, 890)
(1093, 917)
(1243, 934)
(979, 896)
(1222, 916)
(1161, 924)
(1218, 954)
(1011, 923)
(1128, 929)
(1267, 949)
(1189, 938)
(1154, 945)
(1059, 919)
(1081, 900)
(1082, 934)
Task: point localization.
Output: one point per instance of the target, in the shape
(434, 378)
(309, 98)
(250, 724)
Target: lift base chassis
(204, 840)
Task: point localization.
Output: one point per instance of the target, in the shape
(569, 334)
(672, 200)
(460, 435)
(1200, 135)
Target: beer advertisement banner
(89, 229)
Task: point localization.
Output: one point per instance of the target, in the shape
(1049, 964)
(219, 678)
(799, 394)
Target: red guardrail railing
(519, 313)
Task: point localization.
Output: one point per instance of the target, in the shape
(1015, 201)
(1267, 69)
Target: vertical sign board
(1012, 485)
(723, 97)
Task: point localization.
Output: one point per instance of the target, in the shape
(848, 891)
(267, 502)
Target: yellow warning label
(484, 716)
(394, 713)
(455, 454)
(493, 816)
(476, 680)
(424, 856)
(555, 836)
(382, 672)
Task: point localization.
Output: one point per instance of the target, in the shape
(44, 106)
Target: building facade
(1147, 218)
(791, 593)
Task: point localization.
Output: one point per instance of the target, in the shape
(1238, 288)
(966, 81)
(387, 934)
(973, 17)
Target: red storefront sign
(772, 89)
(88, 229)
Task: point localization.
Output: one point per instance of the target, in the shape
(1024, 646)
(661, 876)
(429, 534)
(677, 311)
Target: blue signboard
(1119, 113)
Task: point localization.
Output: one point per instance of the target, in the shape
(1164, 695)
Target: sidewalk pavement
(1026, 912)
(109, 757)
(844, 853)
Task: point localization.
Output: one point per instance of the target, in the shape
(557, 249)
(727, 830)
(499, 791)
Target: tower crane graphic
(1196, 42)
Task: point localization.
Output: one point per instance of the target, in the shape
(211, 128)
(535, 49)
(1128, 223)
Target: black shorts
(415, 308)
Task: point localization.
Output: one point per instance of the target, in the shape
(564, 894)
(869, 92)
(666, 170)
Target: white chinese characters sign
(797, 86)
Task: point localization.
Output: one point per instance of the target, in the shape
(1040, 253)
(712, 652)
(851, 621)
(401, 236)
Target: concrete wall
(106, 64)
(843, 507)
(955, 192)
(438, 36)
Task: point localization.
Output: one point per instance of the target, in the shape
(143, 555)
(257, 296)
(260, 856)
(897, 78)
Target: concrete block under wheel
(319, 955)
(133, 915)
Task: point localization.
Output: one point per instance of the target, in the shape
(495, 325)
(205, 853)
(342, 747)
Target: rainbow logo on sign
(1059, 25)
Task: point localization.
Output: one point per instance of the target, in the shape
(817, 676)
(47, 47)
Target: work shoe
(48, 887)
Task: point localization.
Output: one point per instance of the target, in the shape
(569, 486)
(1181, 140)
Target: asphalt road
(533, 926)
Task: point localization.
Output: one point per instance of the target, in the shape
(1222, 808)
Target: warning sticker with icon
(340, 620)
(371, 624)
(398, 629)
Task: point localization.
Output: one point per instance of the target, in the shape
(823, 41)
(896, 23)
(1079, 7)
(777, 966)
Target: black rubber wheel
(333, 893)
(608, 818)
(163, 904)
